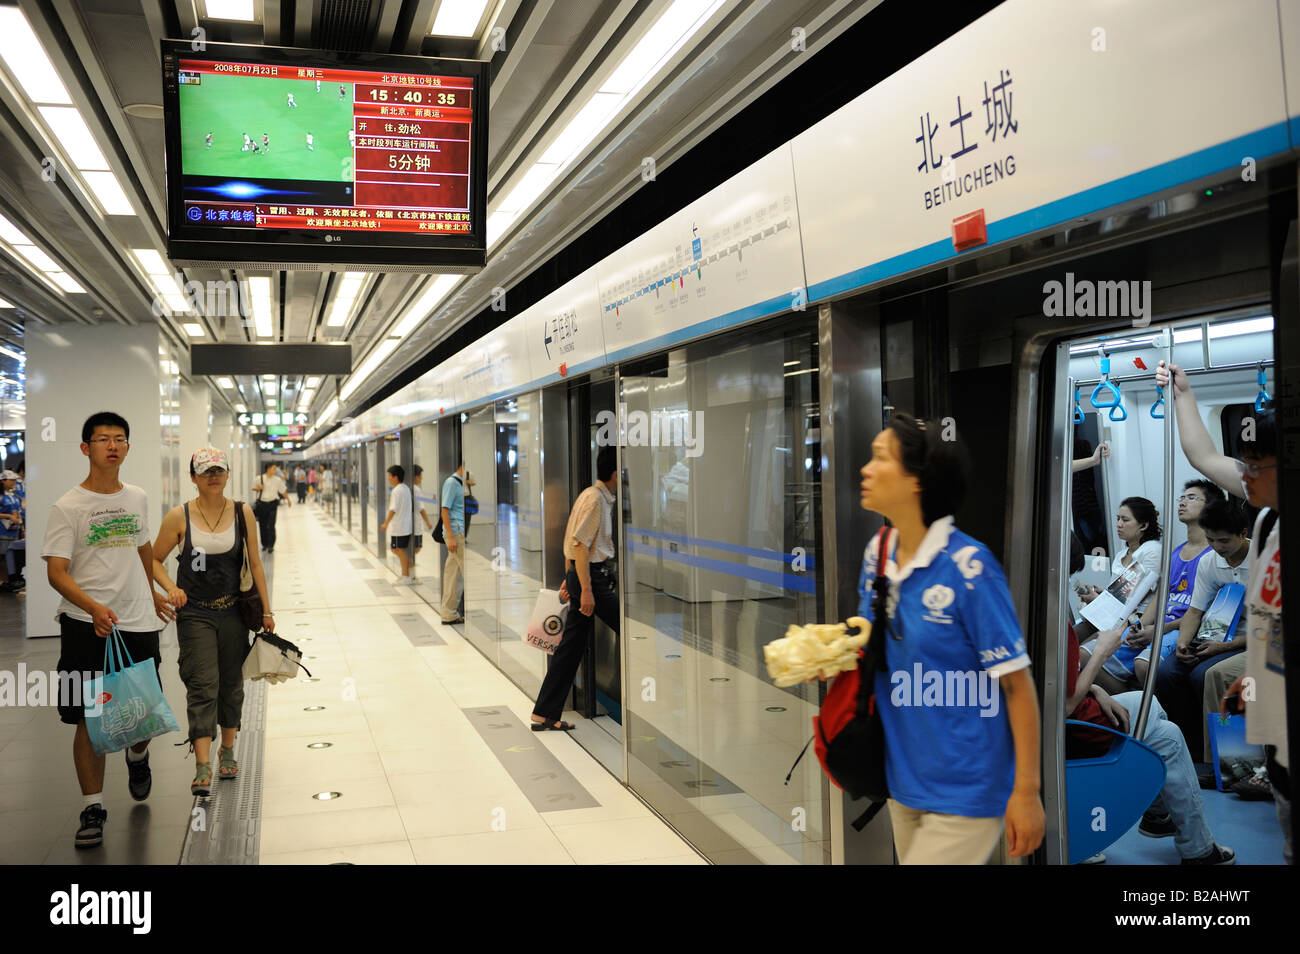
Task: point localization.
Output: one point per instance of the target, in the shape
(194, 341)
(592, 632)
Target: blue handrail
(1263, 394)
(1160, 400)
(1105, 386)
(1078, 413)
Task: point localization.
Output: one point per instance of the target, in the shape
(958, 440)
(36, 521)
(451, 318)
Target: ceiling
(548, 58)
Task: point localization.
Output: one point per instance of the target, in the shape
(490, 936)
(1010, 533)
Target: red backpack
(848, 735)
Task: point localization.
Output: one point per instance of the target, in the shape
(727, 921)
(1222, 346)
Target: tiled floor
(417, 782)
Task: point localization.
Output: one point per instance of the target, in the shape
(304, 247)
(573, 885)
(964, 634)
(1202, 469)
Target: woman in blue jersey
(961, 722)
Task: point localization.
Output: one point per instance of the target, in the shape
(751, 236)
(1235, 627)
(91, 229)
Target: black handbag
(249, 602)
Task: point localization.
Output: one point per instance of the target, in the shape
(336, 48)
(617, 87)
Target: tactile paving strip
(225, 828)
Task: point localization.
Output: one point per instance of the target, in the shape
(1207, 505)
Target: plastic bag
(546, 625)
(126, 705)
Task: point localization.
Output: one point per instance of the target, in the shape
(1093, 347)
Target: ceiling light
(194, 330)
(241, 408)
(420, 309)
(349, 290)
(330, 410)
(230, 10)
(457, 18)
(226, 382)
(9, 232)
(313, 382)
(678, 23)
(26, 59)
(497, 224)
(74, 136)
(532, 185)
(268, 387)
(1228, 329)
(259, 287)
(37, 257)
(17, 356)
(582, 128)
(368, 367)
(150, 261)
(5, 304)
(108, 193)
(66, 282)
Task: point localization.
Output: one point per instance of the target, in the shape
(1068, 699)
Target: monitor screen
(281, 156)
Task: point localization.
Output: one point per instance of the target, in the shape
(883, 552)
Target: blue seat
(1122, 784)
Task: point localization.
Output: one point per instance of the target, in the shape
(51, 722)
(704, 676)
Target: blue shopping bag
(125, 705)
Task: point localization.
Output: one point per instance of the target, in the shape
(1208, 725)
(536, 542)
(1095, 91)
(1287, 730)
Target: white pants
(931, 838)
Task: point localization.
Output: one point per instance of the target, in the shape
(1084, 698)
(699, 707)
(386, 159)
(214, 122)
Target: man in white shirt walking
(270, 489)
(99, 558)
(400, 519)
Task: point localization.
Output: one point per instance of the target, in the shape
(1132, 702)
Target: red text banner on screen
(411, 153)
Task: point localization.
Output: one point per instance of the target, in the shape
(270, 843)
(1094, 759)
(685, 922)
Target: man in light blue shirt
(453, 533)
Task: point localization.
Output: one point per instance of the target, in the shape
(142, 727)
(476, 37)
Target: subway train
(743, 354)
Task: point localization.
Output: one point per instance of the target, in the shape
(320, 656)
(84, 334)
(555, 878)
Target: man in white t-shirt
(99, 558)
(270, 489)
(1261, 692)
(400, 518)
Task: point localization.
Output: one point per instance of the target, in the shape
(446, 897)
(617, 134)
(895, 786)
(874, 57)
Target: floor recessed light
(719, 679)
(313, 708)
(320, 745)
(775, 709)
(327, 796)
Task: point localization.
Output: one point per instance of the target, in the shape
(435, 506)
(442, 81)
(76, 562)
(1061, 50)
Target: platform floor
(411, 712)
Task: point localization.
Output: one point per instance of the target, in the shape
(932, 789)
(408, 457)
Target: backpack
(438, 536)
(849, 735)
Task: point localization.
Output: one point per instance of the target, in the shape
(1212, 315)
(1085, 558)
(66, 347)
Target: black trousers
(266, 514)
(578, 633)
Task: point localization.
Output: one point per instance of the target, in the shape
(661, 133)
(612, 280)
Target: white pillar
(196, 406)
(85, 370)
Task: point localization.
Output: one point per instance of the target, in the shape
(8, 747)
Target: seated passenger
(1178, 809)
(958, 682)
(1180, 683)
(1138, 527)
(1182, 580)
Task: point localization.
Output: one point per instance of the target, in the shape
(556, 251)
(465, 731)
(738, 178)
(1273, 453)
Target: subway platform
(404, 746)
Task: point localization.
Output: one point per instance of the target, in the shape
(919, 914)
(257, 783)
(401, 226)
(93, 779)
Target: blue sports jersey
(1182, 581)
(10, 503)
(947, 738)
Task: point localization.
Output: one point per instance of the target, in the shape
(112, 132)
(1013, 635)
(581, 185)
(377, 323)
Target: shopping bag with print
(125, 706)
(546, 626)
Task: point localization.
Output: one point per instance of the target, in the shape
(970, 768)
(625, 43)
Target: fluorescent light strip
(5, 304)
(16, 355)
(230, 10)
(194, 329)
(66, 283)
(346, 299)
(420, 309)
(25, 59)
(664, 38)
(259, 287)
(37, 258)
(368, 367)
(107, 191)
(458, 18)
(74, 136)
(226, 382)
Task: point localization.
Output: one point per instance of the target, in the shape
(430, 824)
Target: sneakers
(405, 581)
(91, 832)
(453, 622)
(1218, 856)
(1157, 826)
(141, 778)
(1097, 859)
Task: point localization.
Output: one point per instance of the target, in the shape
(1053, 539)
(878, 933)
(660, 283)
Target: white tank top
(221, 542)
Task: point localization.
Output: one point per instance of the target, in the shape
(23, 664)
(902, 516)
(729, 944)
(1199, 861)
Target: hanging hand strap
(1078, 412)
(1160, 404)
(1104, 389)
(1263, 394)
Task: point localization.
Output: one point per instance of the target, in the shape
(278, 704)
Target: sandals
(202, 784)
(227, 767)
(556, 726)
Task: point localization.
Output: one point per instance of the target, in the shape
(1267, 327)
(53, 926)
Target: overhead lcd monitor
(306, 158)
